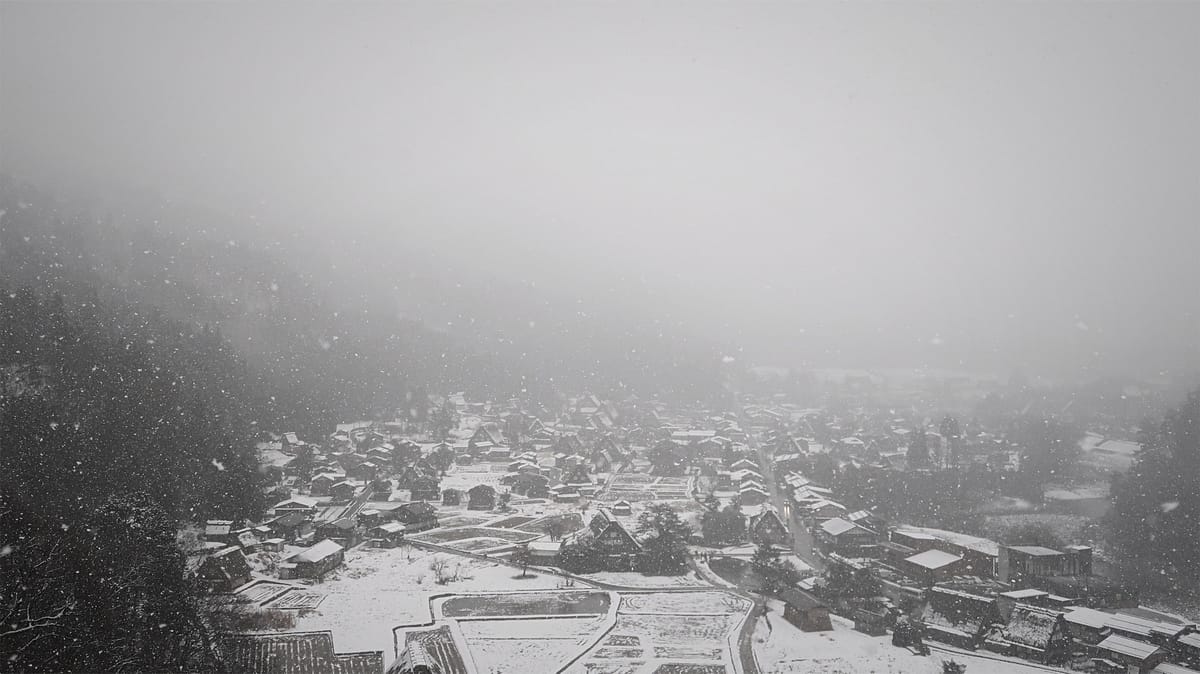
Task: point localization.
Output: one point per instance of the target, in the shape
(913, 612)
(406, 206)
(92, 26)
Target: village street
(802, 542)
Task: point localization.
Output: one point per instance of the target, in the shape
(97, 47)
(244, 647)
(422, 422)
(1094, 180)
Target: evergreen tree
(1156, 505)
(918, 449)
(664, 541)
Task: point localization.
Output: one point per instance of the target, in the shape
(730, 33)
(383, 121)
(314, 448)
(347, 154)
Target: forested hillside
(117, 424)
(329, 353)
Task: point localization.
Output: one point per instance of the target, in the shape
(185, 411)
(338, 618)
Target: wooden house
(844, 537)
(753, 494)
(481, 497)
(291, 526)
(344, 490)
(1032, 633)
(366, 471)
(1138, 656)
(320, 483)
(417, 516)
(386, 535)
(296, 504)
(622, 508)
(933, 566)
(224, 570)
(767, 527)
(958, 618)
(805, 611)
(425, 488)
(219, 531)
(565, 494)
(343, 531)
(489, 435)
(314, 562)
(498, 454)
(615, 548)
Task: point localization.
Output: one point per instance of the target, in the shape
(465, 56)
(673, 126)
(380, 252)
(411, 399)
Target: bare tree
(438, 566)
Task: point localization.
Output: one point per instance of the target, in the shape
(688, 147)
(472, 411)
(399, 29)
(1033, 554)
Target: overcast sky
(994, 183)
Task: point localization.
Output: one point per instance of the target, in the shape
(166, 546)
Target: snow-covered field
(378, 589)
(635, 579)
(785, 649)
(687, 632)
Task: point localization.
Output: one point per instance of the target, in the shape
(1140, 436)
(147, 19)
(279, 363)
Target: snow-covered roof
(975, 543)
(1027, 593)
(1171, 668)
(1035, 550)
(933, 559)
(838, 526)
(298, 501)
(1128, 647)
(317, 552)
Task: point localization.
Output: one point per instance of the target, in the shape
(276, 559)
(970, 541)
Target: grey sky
(823, 183)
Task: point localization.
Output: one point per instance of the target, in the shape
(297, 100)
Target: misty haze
(655, 338)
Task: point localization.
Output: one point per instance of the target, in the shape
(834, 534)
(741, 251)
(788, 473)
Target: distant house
(565, 494)
(868, 519)
(845, 537)
(819, 509)
(295, 653)
(219, 531)
(488, 434)
(387, 535)
(958, 618)
(366, 471)
(622, 508)
(1025, 562)
(425, 488)
(410, 475)
(1090, 626)
(544, 552)
(932, 566)
(805, 611)
(344, 490)
(744, 464)
(481, 497)
(343, 531)
(224, 570)
(314, 562)
(417, 516)
(1032, 633)
(498, 454)
(451, 497)
(320, 483)
(290, 526)
(753, 495)
(768, 528)
(296, 504)
(1136, 655)
(613, 546)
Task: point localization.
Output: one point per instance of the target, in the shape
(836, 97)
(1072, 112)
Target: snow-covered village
(576, 337)
(633, 536)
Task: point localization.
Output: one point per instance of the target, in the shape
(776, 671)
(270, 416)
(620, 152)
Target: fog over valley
(819, 185)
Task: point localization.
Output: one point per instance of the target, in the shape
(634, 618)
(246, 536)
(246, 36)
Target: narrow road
(802, 542)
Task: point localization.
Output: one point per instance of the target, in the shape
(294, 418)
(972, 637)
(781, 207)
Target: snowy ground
(784, 649)
(378, 589)
(635, 579)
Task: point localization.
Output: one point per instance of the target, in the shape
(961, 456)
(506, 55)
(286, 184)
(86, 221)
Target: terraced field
(527, 604)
